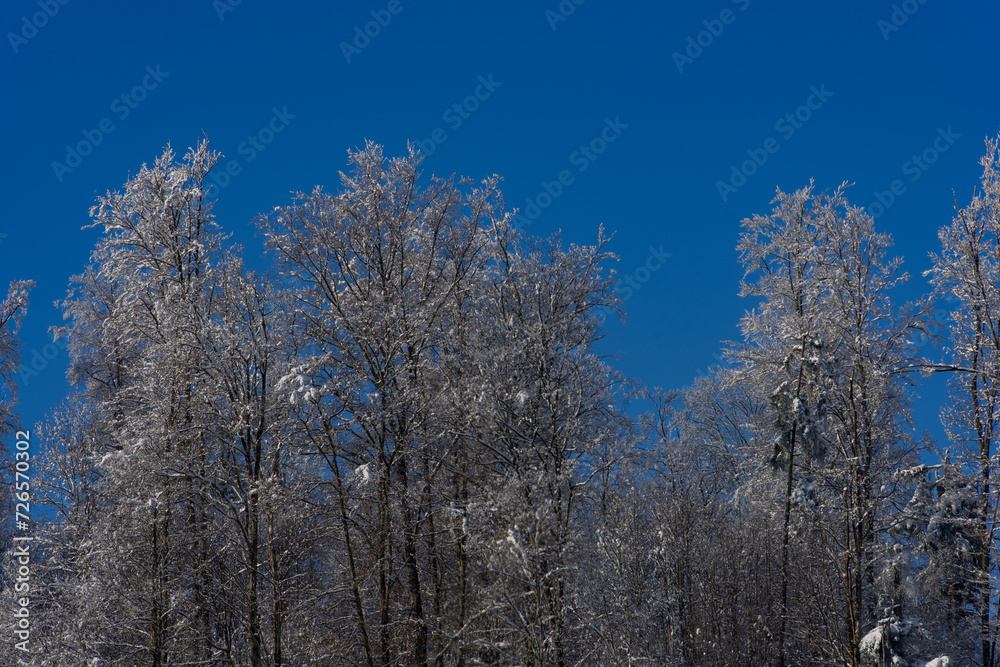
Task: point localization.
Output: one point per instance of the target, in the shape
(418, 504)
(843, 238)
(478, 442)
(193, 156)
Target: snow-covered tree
(12, 310)
(137, 312)
(688, 557)
(383, 274)
(827, 338)
(967, 270)
(406, 449)
(554, 427)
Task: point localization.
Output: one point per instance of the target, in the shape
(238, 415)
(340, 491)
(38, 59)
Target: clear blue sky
(641, 136)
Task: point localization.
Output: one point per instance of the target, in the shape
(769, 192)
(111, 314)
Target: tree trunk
(253, 604)
(382, 556)
(784, 552)
(412, 570)
(277, 597)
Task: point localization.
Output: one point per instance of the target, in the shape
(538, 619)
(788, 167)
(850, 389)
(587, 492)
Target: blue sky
(641, 110)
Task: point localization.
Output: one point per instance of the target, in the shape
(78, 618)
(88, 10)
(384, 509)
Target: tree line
(401, 446)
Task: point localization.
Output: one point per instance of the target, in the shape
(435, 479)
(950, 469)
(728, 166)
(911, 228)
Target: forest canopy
(402, 445)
